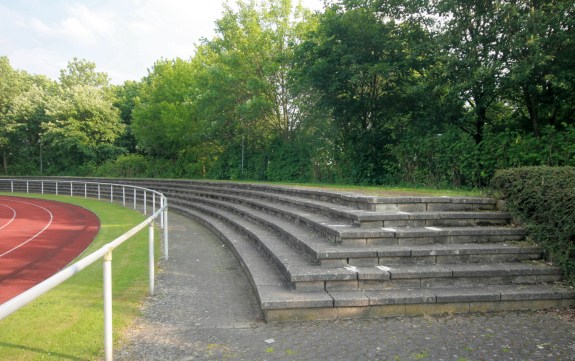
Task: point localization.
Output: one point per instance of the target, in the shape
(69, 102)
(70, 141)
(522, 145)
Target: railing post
(27, 187)
(108, 306)
(145, 204)
(12, 186)
(124, 195)
(111, 193)
(42, 186)
(85, 190)
(135, 198)
(56, 187)
(71, 189)
(166, 233)
(153, 203)
(98, 191)
(162, 214)
(151, 257)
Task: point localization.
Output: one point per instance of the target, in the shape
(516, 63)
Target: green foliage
(135, 166)
(420, 92)
(544, 199)
(289, 161)
(162, 123)
(453, 159)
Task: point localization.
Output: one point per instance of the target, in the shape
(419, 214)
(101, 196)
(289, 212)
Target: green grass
(67, 322)
(386, 191)
(382, 191)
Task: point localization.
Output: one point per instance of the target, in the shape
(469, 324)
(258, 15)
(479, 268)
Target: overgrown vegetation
(426, 93)
(544, 200)
(67, 322)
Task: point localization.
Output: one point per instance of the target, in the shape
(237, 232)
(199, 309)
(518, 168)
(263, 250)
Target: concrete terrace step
(280, 302)
(303, 274)
(340, 232)
(427, 254)
(362, 218)
(369, 203)
(329, 254)
(315, 254)
(426, 235)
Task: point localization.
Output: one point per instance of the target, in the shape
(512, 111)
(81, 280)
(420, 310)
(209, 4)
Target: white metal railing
(92, 189)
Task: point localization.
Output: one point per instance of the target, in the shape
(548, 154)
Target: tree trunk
(5, 162)
(480, 124)
(531, 103)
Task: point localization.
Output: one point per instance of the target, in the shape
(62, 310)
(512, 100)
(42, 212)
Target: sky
(124, 38)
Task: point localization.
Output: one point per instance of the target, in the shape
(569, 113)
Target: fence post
(166, 233)
(71, 189)
(98, 191)
(135, 198)
(124, 195)
(162, 214)
(42, 186)
(151, 256)
(27, 187)
(12, 186)
(145, 204)
(108, 306)
(56, 187)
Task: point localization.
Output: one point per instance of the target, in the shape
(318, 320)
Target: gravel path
(205, 309)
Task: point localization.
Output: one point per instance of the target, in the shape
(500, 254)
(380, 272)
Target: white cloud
(81, 24)
(124, 38)
(39, 60)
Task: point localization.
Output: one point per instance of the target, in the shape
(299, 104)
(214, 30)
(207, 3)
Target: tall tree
(474, 43)
(127, 96)
(81, 71)
(12, 84)
(162, 115)
(541, 68)
(30, 110)
(246, 79)
(84, 123)
(367, 71)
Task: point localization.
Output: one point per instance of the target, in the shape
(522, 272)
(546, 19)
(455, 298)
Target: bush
(125, 166)
(543, 198)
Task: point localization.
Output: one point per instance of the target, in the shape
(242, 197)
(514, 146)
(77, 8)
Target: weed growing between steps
(543, 199)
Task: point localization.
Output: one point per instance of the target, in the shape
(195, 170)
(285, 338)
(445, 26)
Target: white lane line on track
(13, 214)
(37, 234)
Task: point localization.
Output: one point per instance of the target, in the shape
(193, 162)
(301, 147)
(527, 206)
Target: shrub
(543, 198)
(126, 166)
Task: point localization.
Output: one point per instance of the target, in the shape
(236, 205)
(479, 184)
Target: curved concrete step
(303, 274)
(360, 218)
(340, 232)
(332, 255)
(279, 302)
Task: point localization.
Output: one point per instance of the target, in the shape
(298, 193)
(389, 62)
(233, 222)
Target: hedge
(543, 199)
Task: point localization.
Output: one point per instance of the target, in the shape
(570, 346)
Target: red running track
(38, 238)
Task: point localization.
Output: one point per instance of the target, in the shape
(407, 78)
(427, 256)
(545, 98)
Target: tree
(83, 124)
(244, 74)
(30, 110)
(10, 87)
(83, 72)
(367, 71)
(127, 96)
(162, 116)
(541, 68)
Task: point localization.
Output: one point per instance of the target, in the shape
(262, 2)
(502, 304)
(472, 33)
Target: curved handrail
(97, 189)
